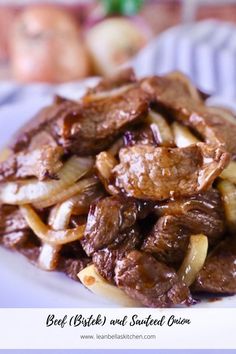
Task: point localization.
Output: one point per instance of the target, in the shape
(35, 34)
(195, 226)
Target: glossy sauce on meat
(146, 172)
(151, 196)
(149, 281)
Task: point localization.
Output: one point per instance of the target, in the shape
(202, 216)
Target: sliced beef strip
(86, 128)
(40, 126)
(11, 220)
(169, 238)
(173, 95)
(146, 172)
(14, 230)
(42, 162)
(71, 267)
(30, 249)
(209, 201)
(72, 259)
(218, 275)
(105, 259)
(93, 126)
(31, 252)
(14, 238)
(106, 219)
(152, 283)
(85, 199)
(110, 217)
(124, 77)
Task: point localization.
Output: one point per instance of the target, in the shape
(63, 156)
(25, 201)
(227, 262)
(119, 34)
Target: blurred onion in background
(47, 45)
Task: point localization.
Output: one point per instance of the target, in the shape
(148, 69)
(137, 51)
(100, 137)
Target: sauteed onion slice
(228, 193)
(93, 281)
(4, 154)
(32, 191)
(182, 135)
(48, 257)
(66, 193)
(160, 128)
(194, 259)
(45, 233)
(229, 172)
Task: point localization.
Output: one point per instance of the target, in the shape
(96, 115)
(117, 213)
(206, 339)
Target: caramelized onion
(229, 172)
(105, 162)
(48, 257)
(45, 233)
(223, 112)
(228, 192)
(4, 154)
(93, 281)
(182, 135)
(194, 259)
(63, 195)
(59, 220)
(32, 191)
(161, 129)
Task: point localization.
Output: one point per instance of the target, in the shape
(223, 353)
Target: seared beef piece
(93, 126)
(14, 231)
(207, 202)
(85, 199)
(152, 283)
(30, 251)
(11, 220)
(15, 238)
(106, 219)
(41, 125)
(173, 95)
(215, 129)
(110, 217)
(72, 250)
(41, 163)
(72, 259)
(71, 267)
(87, 128)
(147, 172)
(169, 239)
(106, 258)
(124, 77)
(219, 272)
(30, 248)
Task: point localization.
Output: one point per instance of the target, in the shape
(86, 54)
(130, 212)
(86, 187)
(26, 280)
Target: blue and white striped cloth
(205, 51)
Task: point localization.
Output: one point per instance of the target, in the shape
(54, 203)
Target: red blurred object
(7, 16)
(224, 12)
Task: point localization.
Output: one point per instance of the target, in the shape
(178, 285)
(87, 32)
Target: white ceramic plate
(22, 284)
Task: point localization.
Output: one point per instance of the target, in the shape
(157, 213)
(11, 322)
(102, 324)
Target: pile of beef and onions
(130, 190)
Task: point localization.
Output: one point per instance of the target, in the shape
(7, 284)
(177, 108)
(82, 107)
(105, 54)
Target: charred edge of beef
(152, 283)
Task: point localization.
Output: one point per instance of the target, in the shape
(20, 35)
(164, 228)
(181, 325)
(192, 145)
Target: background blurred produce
(59, 41)
(47, 45)
(113, 42)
